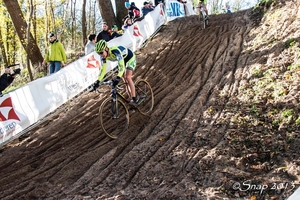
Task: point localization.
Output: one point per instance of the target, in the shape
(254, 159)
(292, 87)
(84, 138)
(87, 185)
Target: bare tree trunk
(83, 19)
(8, 38)
(20, 25)
(73, 28)
(93, 16)
(107, 11)
(66, 18)
(3, 52)
(52, 26)
(121, 11)
(28, 38)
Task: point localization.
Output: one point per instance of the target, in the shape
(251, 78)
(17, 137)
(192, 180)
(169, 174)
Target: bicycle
(114, 114)
(202, 17)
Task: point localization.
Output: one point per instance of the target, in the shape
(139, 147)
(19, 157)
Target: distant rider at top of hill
(203, 3)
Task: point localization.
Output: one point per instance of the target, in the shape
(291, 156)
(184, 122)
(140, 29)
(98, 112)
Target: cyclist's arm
(103, 71)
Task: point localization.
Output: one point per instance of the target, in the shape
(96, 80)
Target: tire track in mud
(144, 159)
(187, 67)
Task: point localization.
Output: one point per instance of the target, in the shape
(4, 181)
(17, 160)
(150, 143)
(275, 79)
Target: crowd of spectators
(108, 34)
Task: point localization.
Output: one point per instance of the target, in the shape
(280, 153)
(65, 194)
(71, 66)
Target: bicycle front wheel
(144, 91)
(114, 117)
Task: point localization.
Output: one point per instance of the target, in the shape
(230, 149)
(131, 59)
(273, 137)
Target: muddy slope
(208, 133)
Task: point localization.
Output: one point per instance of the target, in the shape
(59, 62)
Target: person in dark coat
(104, 34)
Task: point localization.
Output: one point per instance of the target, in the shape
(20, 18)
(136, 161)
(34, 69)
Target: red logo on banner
(92, 62)
(10, 114)
(136, 31)
(161, 10)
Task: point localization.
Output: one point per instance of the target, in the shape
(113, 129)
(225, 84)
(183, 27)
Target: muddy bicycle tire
(112, 123)
(144, 91)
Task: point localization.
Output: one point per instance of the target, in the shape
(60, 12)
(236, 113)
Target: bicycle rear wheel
(144, 91)
(114, 117)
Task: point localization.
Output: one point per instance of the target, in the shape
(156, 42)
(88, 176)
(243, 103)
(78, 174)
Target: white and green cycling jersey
(125, 57)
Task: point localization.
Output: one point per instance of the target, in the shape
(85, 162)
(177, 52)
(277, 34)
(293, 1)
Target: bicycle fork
(114, 104)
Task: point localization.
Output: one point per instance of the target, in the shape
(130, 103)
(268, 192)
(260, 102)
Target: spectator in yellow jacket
(55, 55)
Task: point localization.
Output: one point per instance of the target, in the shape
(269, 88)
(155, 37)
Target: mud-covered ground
(225, 123)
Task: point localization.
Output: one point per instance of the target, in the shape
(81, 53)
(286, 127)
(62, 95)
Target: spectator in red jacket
(133, 11)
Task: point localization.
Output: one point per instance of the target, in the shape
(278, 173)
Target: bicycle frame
(115, 94)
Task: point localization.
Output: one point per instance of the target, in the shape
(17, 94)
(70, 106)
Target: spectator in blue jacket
(146, 9)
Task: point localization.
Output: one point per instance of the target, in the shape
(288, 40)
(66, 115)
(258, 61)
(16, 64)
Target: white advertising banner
(175, 9)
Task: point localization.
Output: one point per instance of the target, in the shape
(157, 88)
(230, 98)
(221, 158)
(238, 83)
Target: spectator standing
(127, 23)
(227, 6)
(7, 78)
(146, 9)
(158, 2)
(133, 11)
(104, 34)
(90, 45)
(115, 32)
(55, 55)
(151, 5)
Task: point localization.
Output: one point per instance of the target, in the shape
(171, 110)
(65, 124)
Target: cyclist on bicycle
(126, 65)
(203, 3)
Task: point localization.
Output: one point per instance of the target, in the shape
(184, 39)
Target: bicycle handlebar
(110, 82)
(106, 82)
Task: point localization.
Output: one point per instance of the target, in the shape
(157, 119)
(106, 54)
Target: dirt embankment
(225, 118)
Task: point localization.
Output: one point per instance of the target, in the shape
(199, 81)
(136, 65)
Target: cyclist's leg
(130, 85)
(130, 66)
